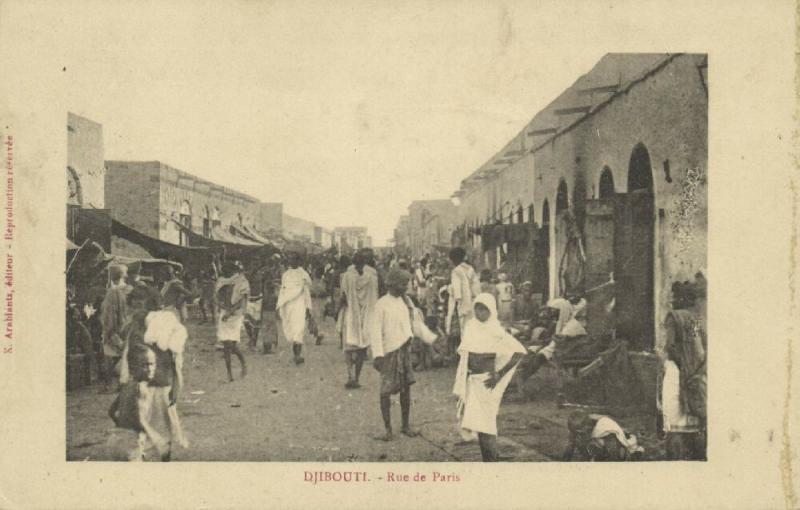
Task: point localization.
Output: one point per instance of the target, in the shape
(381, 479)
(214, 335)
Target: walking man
(294, 304)
(359, 295)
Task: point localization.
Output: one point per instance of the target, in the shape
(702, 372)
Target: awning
(244, 232)
(228, 245)
(193, 258)
(90, 260)
(220, 234)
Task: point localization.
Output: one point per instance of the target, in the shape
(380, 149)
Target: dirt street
(283, 412)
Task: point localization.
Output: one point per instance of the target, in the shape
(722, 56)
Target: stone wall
(86, 161)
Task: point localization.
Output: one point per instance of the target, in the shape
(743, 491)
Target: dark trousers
(488, 444)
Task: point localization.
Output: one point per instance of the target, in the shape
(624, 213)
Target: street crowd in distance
(405, 315)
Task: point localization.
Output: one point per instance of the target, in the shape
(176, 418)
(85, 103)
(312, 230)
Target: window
(185, 219)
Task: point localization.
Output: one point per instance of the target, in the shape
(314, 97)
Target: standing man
(207, 282)
(270, 284)
(175, 294)
(294, 304)
(113, 316)
(505, 298)
(464, 286)
(232, 310)
(395, 323)
(359, 295)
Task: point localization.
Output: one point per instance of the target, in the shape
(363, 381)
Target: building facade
(402, 237)
(298, 228)
(85, 163)
(430, 225)
(609, 182)
(349, 239)
(153, 198)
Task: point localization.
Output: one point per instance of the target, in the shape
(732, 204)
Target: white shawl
(478, 405)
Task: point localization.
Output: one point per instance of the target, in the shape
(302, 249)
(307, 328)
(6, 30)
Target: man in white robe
(294, 302)
(359, 295)
(464, 286)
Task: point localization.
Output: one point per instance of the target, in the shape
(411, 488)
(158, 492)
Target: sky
(345, 113)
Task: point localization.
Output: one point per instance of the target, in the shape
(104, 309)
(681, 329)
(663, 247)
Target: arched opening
(606, 186)
(562, 197)
(215, 217)
(239, 217)
(74, 189)
(562, 230)
(541, 259)
(207, 222)
(634, 264)
(185, 219)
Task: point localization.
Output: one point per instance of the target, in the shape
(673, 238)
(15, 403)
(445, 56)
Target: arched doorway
(634, 264)
(207, 222)
(564, 226)
(541, 263)
(606, 186)
(185, 219)
(598, 235)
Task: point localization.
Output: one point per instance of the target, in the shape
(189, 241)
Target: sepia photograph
(444, 255)
(235, 297)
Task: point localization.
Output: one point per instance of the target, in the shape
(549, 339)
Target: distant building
(323, 237)
(430, 225)
(401, 243)
(85, 163)
(152, 197)
(352, 238)
(298, 228)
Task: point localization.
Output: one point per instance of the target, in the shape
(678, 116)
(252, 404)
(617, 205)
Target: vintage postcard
(441, 255)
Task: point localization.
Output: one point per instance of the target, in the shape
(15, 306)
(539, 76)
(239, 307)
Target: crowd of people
(409, 315)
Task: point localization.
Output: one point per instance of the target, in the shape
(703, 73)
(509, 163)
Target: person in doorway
(464, 286)
(394, 325)
(488, 358)
(359, 295)
(505, 298)
(294, 303)
(233, 291)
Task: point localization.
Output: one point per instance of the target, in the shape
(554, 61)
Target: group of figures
(406, 316)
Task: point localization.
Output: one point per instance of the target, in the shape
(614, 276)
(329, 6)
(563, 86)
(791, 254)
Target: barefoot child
(395, 322)
(131, 408)
(489, 356)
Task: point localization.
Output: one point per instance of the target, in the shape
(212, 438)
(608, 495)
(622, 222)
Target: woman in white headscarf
(568, 326)
(489, 356)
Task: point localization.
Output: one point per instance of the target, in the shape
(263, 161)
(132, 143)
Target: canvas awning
(193, 258)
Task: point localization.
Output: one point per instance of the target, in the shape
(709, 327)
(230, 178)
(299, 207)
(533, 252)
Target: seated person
(598, 438)
(525, 307)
